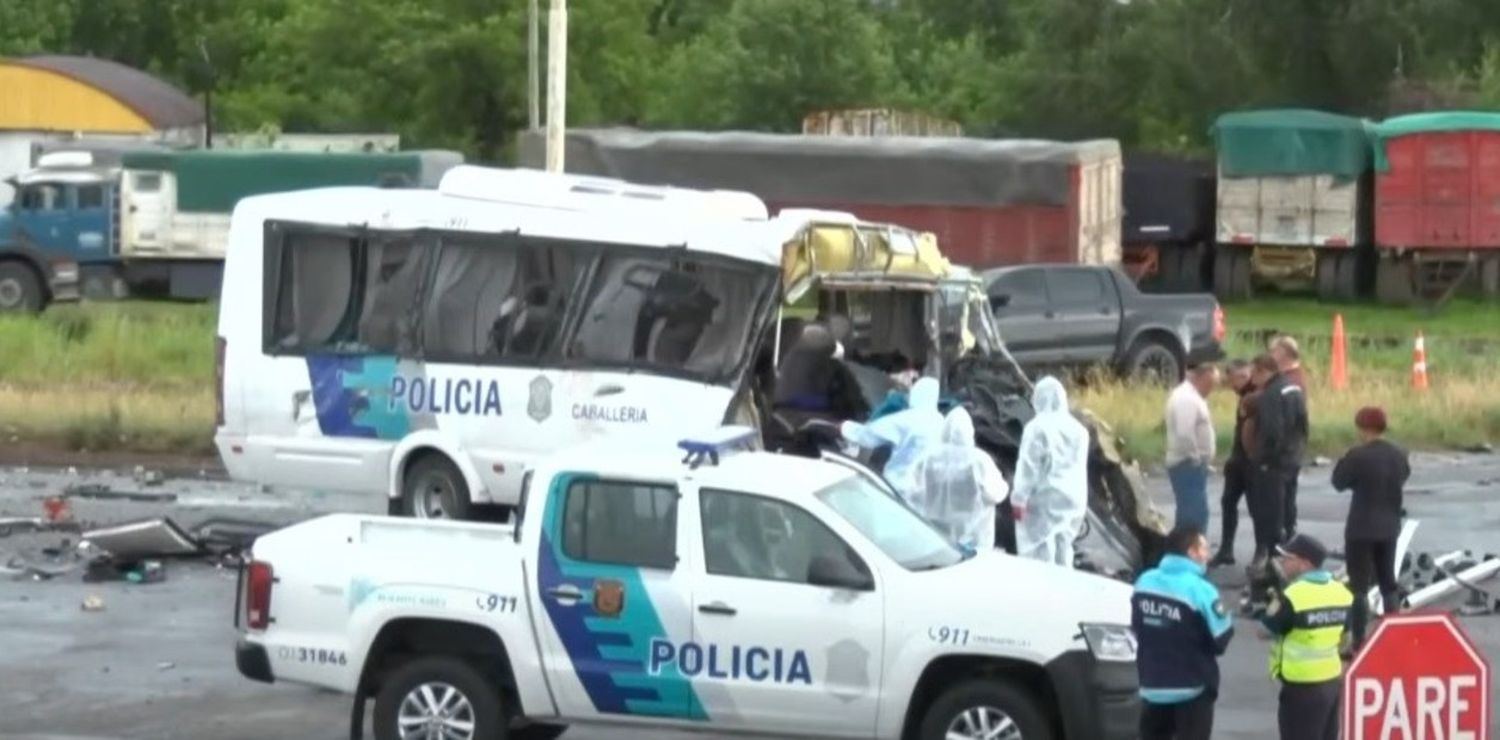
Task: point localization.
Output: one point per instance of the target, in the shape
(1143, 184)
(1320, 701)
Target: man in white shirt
(1190, 445)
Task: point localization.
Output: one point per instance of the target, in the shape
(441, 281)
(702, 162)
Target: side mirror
(837, 572)
(999, 301)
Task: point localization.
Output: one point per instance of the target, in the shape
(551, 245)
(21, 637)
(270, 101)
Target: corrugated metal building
(50, 98)
(90, 95)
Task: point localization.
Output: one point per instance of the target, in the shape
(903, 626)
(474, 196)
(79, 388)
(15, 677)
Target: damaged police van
(727, 590)
(431, 345)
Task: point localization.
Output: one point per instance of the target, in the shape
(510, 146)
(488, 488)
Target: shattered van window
(670, 313)
(394, 266)
(498, 298)
(471, 285)
(315, 291)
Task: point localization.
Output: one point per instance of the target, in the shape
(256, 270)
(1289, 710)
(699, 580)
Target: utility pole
(557, 82)
(533, 71)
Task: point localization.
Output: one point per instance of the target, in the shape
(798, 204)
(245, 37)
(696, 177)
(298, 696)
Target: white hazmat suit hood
(909, 432)
(958, 486)
(1051, 483)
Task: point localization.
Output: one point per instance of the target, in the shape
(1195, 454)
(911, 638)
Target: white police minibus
(430, 345)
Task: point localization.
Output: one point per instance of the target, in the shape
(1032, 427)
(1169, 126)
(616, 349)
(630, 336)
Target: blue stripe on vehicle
(609, 656)
(352, 397)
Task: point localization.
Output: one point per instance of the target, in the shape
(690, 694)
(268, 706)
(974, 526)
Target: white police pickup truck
(753, 593)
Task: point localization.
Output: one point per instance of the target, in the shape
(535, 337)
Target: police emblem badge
(539, 407)
(609, 598)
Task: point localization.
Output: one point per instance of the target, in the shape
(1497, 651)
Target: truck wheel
(20, 290)
(1152, 361)
(987, 709)
(1231, 273)
(442, 695)
(434, 489)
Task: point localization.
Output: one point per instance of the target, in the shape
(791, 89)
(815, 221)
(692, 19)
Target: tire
(1001, 700)
(434, 489)
(20, 289)
(1231, 273)
(476, 698)
(1154, 361)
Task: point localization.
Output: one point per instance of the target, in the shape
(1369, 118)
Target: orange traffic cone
(1338, 372)
(1419, 364)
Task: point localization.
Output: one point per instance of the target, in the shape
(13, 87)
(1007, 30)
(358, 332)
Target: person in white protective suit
(909, 432)
(1050, 496)
(958, 485)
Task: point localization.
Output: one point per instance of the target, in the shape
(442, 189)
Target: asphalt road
(157, 661)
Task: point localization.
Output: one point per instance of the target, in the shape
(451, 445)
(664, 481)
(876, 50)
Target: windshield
(890, 525)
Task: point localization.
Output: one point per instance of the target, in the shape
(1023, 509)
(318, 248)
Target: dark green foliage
(452, 73)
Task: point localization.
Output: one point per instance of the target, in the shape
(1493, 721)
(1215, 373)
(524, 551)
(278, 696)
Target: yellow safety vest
(1310, 652)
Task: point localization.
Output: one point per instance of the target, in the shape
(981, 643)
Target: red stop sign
(1418, 678)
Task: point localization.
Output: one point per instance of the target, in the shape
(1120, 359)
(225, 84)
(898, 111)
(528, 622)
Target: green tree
(767, 63)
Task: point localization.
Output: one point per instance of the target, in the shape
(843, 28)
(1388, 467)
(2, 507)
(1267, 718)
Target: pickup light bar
(710, 446)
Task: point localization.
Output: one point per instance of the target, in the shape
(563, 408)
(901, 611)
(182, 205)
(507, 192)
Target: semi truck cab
(59, 220)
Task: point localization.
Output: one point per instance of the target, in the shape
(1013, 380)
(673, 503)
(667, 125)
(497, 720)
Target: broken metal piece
(1451, 584)
(231, 535)
(144, 539)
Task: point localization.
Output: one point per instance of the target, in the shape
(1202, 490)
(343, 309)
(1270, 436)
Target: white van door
(146, 203)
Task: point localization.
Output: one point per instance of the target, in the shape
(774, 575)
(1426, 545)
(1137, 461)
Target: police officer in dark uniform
(1307, 625)
(1182, 629)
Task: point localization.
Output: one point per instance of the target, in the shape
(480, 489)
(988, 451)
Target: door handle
(608, 390)
(565, 593)
(720, 608)
(1049, 314)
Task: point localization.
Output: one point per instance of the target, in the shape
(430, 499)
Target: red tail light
(220, 346)
(258, 582)
(1221, 329)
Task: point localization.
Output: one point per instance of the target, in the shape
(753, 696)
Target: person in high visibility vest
(1306, 623)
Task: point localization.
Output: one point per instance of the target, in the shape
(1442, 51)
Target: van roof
(485, 200)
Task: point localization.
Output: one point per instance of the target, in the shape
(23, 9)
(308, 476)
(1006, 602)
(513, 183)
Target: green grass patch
(1457, 319)
(139, 376)
(143, 345)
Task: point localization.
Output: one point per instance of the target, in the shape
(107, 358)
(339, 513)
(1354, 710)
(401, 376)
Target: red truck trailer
(1437, 205)
(990, 203)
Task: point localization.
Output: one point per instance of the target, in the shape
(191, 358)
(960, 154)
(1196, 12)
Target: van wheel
(20, 290)
(434, 489)
(988, 709)
(443, 696)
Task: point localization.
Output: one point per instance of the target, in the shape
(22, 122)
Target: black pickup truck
(1069, 316)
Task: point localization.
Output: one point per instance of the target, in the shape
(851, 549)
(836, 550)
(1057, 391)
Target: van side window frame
(275, 267)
